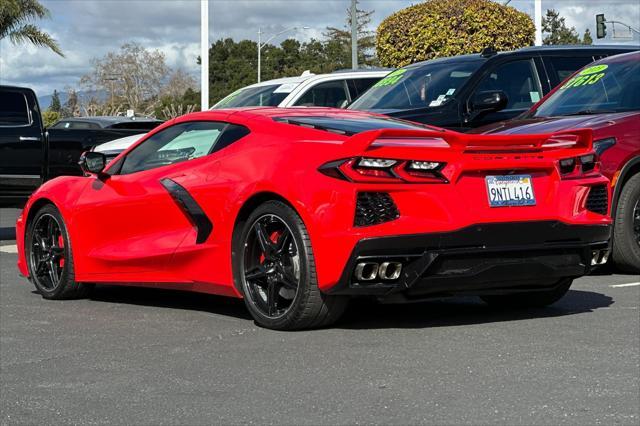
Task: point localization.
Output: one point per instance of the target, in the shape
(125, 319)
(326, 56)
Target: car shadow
(7, 233)
(363, 313)
(172, 299)
(462, 311)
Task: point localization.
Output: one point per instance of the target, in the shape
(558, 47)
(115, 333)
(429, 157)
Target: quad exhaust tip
(599, 257)
(385, 271)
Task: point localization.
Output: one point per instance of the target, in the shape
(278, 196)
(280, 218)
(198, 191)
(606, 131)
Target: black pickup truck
(31, 154)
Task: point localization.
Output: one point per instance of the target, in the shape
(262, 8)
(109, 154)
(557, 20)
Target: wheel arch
(630, 169)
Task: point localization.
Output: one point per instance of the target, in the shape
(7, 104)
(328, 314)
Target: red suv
(605, 97)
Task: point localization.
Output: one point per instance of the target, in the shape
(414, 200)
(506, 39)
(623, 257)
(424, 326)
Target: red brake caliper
(61, 244)
(274, 237)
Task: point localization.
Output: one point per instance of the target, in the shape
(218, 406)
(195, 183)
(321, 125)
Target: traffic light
(601, 28)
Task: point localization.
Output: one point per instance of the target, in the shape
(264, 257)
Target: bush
(438, 28)
(50, 117)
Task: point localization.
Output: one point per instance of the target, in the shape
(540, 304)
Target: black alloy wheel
(47, 254)
(271, 266)
(275, 270)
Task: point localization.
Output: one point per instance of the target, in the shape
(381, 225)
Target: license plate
(512, 190)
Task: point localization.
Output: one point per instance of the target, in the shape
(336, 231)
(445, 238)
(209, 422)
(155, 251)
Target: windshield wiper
(590, 112)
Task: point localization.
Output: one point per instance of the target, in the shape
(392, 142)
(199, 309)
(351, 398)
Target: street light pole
(204, 55)
(261, 45)
(354, 35)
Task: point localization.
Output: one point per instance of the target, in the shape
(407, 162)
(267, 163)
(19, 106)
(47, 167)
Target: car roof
(309, 75)
(622, 57)
(108, 120)
(563, 49)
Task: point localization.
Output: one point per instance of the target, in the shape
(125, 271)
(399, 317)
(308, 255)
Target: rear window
(350, 126)
(13, 109)
(82, 125)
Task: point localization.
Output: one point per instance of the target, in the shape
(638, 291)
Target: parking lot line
(625, 285)
(9, 249)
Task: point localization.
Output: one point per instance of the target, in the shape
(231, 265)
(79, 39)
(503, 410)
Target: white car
(112, 148)
(336, 90)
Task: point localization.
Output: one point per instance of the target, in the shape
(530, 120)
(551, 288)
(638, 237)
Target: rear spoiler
(470, 143)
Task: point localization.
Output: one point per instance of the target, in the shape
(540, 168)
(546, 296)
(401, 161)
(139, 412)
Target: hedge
(438, 28)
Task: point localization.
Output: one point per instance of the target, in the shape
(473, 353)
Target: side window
(560, 68)
(13, 109)
(175, 144)
(358, 86)
(518, 80)
(328, 94)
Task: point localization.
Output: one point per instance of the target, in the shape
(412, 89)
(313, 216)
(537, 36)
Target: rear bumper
(480, 259)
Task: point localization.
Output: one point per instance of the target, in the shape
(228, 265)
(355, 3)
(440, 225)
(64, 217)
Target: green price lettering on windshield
(583, 80)
(391, 79)
(594, 69)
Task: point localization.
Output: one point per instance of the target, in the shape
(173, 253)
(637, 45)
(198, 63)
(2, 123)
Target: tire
(266, 279)
(626, 234)
(533, 299)
(56, 248)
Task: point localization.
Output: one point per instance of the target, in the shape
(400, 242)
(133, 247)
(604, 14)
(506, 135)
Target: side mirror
(92, 163)
(344, 104)
(488, 101)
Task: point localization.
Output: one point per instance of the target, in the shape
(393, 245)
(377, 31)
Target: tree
(15, 23)
(133, 76)
(340, 40)
(437, 28)
(178, 83)
(557, 32)
(71, 106)
(55, 106)
(50, 117)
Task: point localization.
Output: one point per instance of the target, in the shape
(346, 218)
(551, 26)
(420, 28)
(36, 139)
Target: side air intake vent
(373, 208)
(598, 201)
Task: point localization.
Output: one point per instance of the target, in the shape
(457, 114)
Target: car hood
(118, 144)
(554, 124)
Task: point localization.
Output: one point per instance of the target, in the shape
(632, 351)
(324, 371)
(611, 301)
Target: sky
(87, 29)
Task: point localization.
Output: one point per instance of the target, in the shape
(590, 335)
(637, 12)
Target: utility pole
(354, 35)
(204, 55)
(538, 21)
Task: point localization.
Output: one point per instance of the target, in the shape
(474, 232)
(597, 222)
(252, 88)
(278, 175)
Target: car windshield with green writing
(597, 89)
(268, 95)
(421, 86)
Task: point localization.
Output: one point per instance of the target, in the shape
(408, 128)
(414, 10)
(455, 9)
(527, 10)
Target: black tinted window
(358, 86)
(560, 68)
(13, 109)
(518, 79)
(329, 94)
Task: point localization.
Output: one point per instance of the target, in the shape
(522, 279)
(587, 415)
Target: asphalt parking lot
(144, 356)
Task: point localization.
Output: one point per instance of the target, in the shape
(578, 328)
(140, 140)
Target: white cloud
(90, 28)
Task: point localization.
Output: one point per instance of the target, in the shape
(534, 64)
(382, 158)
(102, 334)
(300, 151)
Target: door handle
(29, 138)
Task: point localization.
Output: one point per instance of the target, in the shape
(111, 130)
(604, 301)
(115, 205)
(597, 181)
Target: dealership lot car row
(384, 208)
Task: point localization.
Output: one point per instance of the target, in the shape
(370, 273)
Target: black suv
(469, 91)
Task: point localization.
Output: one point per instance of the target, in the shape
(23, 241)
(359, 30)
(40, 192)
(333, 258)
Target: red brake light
(385, 170)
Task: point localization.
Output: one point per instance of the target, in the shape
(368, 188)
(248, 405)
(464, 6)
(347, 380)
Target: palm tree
(15, 17)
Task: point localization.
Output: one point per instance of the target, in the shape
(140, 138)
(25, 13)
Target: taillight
(385, 170)
(578, 166)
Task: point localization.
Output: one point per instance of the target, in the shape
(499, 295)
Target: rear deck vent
(598, 201)
(373, 208)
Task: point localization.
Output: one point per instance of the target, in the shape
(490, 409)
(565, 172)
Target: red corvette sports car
(296, 210)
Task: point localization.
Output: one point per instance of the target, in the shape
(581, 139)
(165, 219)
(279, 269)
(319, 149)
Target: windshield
(255, 96)
(604, 88)
(419, 87)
